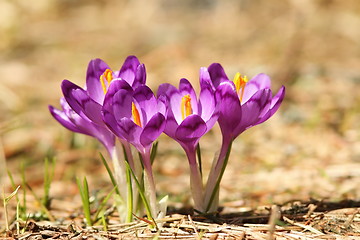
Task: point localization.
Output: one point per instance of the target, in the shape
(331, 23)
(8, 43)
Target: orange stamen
(108, 76)
(186, 108)
(135, 114)
(240, 83)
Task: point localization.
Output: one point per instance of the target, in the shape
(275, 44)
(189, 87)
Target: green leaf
(48, 178)
(103, 203)
(130, 196)
(198, 153)
(112, 178)
(142, 195)
(154, 151)
(84, 194)
(7, 199)
(217, 186)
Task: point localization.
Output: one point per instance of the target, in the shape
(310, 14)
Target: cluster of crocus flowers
(117, 106)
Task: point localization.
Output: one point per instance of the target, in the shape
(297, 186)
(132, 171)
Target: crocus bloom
(139, 117)
(188, 120)
(243, 103)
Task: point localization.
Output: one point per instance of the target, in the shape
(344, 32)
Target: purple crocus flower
(243, 103)
(138, 117)
(188, 120)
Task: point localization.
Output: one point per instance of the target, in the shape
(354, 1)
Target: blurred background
(309, 149)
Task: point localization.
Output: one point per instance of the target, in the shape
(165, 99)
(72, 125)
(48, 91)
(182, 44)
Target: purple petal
(186, 88)
(175, 107)
(166, 89)
(84, 124)
(162, 104)
(95, 69)
(128, 69)
(140, 76)
(131, 132)
(230, 109)
(72, 121)
(171, 125)
(217, 74)
(118, 84)
(173, 101)
(278, 98)
(260, 81)
(114, 87)
(207, 101)
(214, 118)
(122, 104)
(147, 102)
(205, 77)
(111, 123)
(252, 109)
(275, 104)
(152, 129)
(64, 120)
(80, 102)
(209, 106)
(191, 129)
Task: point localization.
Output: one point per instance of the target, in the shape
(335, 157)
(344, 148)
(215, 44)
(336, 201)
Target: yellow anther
(105, 79)
(135, 114)
(186, 108)
(240, 83)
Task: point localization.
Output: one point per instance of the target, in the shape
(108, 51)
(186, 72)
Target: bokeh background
(309, 149)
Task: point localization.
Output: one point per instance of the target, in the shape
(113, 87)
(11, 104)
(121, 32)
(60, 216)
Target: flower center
(135, 114)
(105, 79)
(240, 83)
(186, 108)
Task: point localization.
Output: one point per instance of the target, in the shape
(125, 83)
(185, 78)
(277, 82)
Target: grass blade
(198, 153)
(38, 200)
(84, 194)
(154, 151)
(142, 195)
(48, 178)
(5, 202)
(130, 196)
(112, 178)
(103, 203)
(23, 183)
(217, 186)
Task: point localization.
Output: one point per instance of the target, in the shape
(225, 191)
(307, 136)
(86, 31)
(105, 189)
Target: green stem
(112, 178)
(5, 212)
(142, 195)
(84, 193)
(150, 188)
(215, 177)
(198, 154)
(119, 174)
(130, 206)
(196, 184)
(128, 154)
(154, 151)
